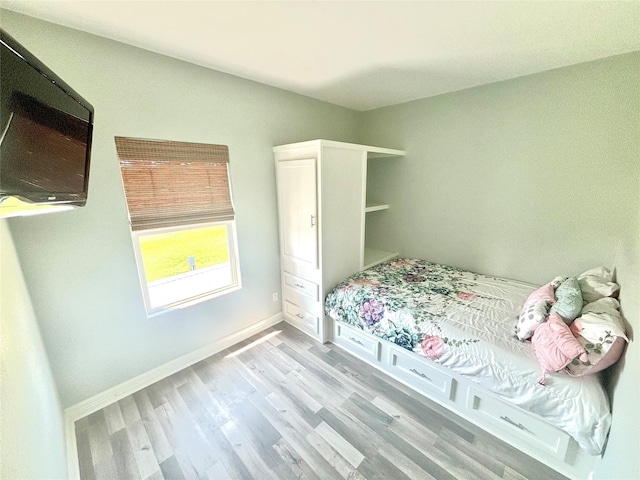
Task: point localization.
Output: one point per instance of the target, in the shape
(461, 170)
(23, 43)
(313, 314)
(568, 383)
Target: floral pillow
(534, 312)
(597, 283)
(600, 330)
(568, 300)
(555, 346)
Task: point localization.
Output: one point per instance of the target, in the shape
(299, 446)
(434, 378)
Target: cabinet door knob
(313, 220)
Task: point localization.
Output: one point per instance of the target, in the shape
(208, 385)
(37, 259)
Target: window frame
(162, 197)
(232, 243)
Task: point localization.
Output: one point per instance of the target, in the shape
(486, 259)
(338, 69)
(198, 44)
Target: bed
(449, 333)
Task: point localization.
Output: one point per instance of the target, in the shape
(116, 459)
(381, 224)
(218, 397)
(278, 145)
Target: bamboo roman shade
(174, 183)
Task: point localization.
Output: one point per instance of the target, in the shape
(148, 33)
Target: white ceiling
(361, 55)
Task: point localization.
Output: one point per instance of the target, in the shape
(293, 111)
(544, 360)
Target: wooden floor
(289, 408)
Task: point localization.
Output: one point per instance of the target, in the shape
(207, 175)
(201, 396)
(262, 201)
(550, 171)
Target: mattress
(465, 321)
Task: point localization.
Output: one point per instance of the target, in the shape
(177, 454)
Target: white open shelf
(374, 207)
(374, 256)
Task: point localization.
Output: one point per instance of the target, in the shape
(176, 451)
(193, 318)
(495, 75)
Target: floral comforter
(465, 321)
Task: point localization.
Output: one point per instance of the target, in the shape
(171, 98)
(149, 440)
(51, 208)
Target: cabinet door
(297, 192)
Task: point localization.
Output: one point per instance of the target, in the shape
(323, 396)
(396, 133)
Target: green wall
(80, 266)
(528, 179)
(32, 441)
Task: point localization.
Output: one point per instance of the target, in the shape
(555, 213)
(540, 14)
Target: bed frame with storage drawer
(524, 430)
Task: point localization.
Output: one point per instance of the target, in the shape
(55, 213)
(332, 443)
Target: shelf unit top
(373, 256)
(374, 207)
(372, 152)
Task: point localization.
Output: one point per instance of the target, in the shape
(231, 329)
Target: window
(182, 220)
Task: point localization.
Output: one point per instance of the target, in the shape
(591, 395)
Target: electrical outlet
(275, 296)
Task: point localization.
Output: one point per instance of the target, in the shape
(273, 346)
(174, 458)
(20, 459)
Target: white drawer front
(517, 424)
(301, 301)
(357, 342)
(303, 318)
(302, 286)
(310, 274)
(419, 374)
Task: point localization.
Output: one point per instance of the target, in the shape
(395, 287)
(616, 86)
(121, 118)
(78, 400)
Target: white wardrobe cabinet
(322, 212)
(299, 213)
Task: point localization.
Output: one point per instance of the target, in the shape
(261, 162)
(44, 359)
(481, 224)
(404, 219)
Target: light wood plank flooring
(289, 408)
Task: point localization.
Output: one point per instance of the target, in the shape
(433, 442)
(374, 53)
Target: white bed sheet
(470, 319)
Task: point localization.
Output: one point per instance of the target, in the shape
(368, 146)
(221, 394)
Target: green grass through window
(167, 254)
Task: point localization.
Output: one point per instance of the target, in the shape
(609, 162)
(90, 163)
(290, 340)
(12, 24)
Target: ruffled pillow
(600, 330)
(568, 300)
(555, 346)
(597, 283)
(534, 312)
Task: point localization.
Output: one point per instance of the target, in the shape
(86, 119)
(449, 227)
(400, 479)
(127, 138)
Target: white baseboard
(101, 400)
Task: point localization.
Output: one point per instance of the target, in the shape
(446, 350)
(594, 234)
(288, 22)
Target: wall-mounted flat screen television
(45, 136)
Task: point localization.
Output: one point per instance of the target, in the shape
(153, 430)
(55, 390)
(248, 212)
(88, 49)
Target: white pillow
(607, 305)
(596, 283)
(601, 272)
(600, 330)
(600, 317)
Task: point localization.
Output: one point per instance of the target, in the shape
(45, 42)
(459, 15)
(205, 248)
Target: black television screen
(45, 132)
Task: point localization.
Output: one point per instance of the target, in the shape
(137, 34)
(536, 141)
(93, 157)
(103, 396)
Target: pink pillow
(545, 292)
(555, 346)
(534, 311)
(612, 356)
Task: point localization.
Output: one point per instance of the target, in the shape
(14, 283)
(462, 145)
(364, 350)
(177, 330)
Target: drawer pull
(356, 341)
(300, 316)
(511, 422)
(299, 285)
(420, 373)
